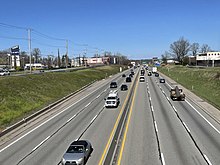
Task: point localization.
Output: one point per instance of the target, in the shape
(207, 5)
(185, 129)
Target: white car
(142, 79)
(112, 100)
(4, 72)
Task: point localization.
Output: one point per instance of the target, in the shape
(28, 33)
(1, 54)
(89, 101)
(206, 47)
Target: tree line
(181, 49)
(60, 61)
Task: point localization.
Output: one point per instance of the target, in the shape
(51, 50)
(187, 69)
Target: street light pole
(66, 53)
(29, 47)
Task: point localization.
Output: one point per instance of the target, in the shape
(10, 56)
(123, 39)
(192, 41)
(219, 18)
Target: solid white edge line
(152, 108)
(203, 117)
(155, 123)
(174, 108)
(98, 96)
(169, 85)
(33, 130)
(163, 160)
(93, 119)
(186, 127)
(207, 159)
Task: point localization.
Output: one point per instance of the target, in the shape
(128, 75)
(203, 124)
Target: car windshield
(75, 149)
(111, 98)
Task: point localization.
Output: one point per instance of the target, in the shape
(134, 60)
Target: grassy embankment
(23, 95)
(203, 82)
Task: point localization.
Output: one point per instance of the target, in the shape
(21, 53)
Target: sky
(138, 29)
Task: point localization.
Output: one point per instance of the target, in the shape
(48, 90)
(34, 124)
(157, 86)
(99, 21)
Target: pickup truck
(177, 94)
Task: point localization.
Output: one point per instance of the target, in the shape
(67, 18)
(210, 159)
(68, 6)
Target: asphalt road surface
(154, 130)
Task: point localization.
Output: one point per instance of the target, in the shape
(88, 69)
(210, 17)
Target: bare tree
(205, 48)
(180, 49)
(165, 57)
(58, 59)
(36, 54)
(194, 48)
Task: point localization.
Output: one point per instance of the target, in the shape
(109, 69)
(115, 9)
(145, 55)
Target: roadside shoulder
(205, 106)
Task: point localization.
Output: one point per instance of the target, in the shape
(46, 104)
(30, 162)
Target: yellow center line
(114, 129)
(126, 128)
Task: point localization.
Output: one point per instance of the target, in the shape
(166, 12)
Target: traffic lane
(141, 145)
(204, 129)
(100, 131)
(207, 138)
(52, 151)
(193, 108)
(176, 145)
(75, 99)
(47, 154)
(27, 143)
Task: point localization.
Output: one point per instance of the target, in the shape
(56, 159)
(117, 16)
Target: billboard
(15, 50)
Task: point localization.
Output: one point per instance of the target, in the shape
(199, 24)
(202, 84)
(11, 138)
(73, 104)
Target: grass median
(21, 96)
(204, 82)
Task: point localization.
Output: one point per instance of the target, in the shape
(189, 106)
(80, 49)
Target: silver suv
(77, 153)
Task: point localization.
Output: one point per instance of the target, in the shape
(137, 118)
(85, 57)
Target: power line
(78, 43)
(47, 36)
(12, 26)
(42, 35)
(17, 38)
(40, 43)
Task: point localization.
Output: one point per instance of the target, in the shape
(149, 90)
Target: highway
(146, 128)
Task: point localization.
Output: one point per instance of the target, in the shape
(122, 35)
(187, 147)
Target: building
(208, 59)
(34, 66)
(94, 60)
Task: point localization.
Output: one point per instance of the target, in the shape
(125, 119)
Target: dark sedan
(124, 87)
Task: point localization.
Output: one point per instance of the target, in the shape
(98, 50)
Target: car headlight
(63, 161)
(80, 160)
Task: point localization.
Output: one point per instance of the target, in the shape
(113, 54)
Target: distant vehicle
(123, 75)
(4, 72)
(142, 71)
(132, 72)
(154, 69)
(77, 153)
(177, 94)
(149, 73)
(113, 84)
(128, 79)
(142, 79)
(112, 100)
(131, 75)
(162, 80)
(156, 74)
(124, 87)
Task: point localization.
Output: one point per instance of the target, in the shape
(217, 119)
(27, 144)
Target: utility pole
(29, 46)
(66, 53)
